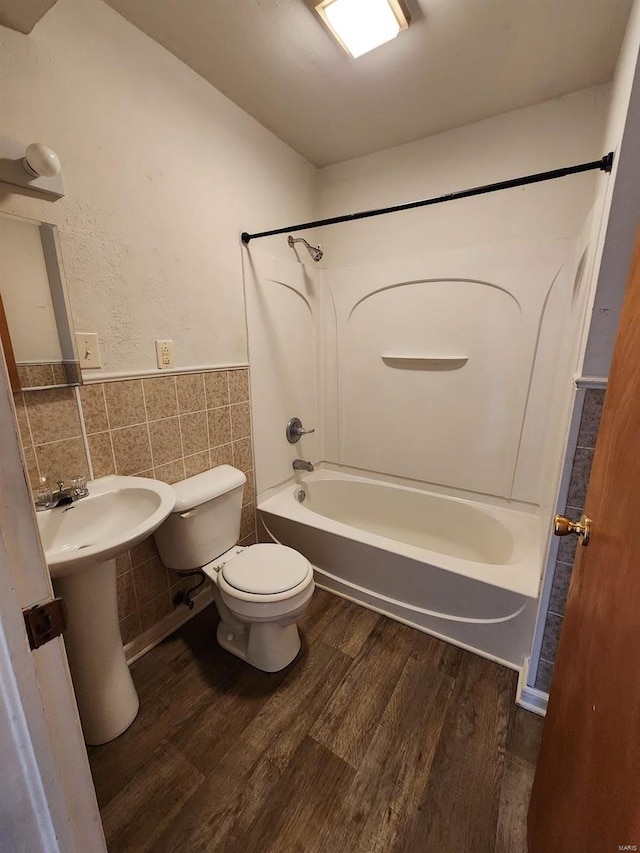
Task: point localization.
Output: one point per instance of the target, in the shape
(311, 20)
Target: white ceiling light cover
(362, 25)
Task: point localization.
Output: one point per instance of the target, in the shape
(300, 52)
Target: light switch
(88, 350)
(165, 354)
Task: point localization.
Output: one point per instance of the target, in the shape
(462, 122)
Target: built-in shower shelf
(425, 362)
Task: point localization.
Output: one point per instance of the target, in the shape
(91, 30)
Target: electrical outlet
(88, 350)
(165, 354)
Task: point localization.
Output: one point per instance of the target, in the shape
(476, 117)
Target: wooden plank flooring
(377, 739)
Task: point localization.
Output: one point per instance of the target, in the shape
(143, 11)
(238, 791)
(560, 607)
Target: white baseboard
(530, 698)
(174, 620)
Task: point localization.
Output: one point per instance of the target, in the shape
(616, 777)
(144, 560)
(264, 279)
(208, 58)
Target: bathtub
(465, 571)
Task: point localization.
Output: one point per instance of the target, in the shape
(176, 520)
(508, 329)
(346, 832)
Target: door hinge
(45, 621)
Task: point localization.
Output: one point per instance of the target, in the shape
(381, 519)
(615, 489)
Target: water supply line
(185, 596)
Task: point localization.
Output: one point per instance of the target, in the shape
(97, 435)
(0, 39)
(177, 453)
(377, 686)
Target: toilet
(260, 590)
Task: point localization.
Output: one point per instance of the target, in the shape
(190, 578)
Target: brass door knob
(563, 526)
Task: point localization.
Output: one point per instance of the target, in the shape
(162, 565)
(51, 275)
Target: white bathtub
(466, 571)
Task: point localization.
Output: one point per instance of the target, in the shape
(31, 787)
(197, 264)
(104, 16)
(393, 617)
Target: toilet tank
(205, 521)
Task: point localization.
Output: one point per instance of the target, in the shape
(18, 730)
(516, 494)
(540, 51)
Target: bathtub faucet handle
(295, 430)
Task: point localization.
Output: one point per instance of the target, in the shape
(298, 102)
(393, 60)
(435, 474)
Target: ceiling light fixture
(362, 25)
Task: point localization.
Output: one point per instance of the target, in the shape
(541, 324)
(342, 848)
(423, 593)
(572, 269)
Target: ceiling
(460, 61)
(23, 16)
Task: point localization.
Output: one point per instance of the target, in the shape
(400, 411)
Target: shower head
(315, 251)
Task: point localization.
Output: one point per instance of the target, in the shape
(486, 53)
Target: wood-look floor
(377, 738)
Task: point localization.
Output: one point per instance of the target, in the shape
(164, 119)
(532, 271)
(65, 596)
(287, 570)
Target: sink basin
(118, 513)
(81, 541)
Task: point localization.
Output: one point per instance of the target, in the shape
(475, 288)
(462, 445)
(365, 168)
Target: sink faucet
(46, 497)
(301, 465)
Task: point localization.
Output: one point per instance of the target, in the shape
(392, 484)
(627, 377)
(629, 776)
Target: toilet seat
(266, 569)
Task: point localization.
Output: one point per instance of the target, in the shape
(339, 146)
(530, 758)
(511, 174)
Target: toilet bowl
(260, 591)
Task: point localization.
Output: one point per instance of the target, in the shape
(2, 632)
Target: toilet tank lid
(204, 487)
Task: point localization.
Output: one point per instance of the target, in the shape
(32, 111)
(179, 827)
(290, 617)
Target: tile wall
(578, 483)
(166, 427)
(47, 374)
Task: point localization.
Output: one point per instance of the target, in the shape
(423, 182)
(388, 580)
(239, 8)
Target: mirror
(35, 322)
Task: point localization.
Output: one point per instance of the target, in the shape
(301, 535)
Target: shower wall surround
(285, 351)
(166, 427)
(429, 367)
(437, 358)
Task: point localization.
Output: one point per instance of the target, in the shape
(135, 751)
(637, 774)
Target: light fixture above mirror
(362, 25)
(34, 167)
(40, 161)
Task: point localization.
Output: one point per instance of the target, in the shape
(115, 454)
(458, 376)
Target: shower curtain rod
(605, 164)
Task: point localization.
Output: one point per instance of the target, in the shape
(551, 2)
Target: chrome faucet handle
(47, 497)
(76, 488)
(295, 430)
(44, 495)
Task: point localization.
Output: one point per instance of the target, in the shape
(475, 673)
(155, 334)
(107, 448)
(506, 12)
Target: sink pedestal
(81, 542)
(106, 697)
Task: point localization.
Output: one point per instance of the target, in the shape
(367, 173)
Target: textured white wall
(556, 133)
(162, 173)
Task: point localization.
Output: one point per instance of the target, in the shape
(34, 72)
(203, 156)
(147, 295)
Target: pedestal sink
(81, 541)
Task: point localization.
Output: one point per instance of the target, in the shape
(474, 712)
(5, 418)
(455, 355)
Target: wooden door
(586, 793)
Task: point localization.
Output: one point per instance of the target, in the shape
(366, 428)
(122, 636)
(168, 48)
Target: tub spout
(302, 465)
